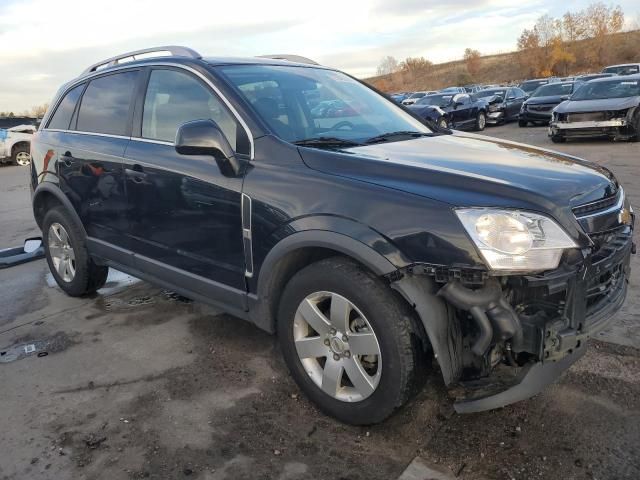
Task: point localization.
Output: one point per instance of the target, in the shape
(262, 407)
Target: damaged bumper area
(614, 124)
(505, 338)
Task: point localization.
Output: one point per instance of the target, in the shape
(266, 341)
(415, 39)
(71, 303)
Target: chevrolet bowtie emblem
(624, 217)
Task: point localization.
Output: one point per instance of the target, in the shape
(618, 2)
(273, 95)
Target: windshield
(553, 89)
(436, 100)
(531, 86)
(303, 103)
(622, 69)
(597, 90)
(417, 95)
(490, 93)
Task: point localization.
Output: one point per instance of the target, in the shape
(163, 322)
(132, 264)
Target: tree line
(581, 41)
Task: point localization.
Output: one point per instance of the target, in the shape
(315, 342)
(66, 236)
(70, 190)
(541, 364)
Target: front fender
(342, 235)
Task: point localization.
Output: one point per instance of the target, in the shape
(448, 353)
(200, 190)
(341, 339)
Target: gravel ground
(139, 383)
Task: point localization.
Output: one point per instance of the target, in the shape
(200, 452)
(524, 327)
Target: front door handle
(136, 173)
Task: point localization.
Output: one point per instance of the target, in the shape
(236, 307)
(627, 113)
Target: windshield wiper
(329, 142)
(385, 137)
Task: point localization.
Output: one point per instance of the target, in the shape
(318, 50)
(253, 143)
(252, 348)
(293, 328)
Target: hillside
(500, 68)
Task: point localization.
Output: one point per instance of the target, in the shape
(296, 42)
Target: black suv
(369, 243)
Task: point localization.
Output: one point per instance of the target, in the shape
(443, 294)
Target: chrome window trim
(148, 140)
(614, 208)
(81, 132)
(88, 78)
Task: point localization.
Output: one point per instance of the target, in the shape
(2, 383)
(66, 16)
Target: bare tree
(472, 59)
(388, 65)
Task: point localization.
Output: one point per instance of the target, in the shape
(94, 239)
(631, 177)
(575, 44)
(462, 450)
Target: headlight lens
(515, 240)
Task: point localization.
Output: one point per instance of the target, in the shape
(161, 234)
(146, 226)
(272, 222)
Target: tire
(481, 122)
(78, 275)
(21, 156)
(558, 139)
(522, 123)
(400, 363)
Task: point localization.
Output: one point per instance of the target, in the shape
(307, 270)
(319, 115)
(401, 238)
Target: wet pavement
(138, 382)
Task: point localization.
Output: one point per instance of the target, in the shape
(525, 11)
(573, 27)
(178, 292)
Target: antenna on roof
(171, 50)
(290, 58)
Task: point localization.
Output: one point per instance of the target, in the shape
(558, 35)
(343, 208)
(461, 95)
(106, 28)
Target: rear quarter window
(106, 103)
(62, 116)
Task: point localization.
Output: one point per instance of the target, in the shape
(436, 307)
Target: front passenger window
(174, 98)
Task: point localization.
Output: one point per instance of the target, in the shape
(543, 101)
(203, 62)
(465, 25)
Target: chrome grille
(599, 206)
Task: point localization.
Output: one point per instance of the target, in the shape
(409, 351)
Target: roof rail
(173, 50)
(290, 58)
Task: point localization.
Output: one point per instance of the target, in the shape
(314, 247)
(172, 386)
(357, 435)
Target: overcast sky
(47, 42)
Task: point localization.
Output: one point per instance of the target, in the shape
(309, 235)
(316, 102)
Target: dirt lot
(138, 383)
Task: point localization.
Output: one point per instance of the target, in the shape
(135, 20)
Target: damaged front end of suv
(514, 328)
(607, 107)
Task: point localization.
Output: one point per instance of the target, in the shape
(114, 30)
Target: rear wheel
(558, 139)
(522, 123)
(66, 252)
(481, 122)
(350, 343)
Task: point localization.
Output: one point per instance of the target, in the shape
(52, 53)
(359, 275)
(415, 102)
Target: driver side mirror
(204, 137)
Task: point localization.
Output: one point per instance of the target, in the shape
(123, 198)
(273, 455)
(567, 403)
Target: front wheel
(481, 122)
(21, 156)
(558, 139)
(350, 343)
(522, 123)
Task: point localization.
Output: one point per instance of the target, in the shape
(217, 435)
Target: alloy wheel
(337, 346)
(23, 158)
(62, 255)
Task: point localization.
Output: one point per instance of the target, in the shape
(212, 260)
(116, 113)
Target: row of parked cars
(598, 104)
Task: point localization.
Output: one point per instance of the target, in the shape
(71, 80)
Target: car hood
(544, 100)
(597, 105)
(472, 170)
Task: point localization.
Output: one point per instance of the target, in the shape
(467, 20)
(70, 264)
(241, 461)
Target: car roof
(622, 78)
(623, 65)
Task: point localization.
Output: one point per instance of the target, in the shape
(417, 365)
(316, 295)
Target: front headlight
(515, 240)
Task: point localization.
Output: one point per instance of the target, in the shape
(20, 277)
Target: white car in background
(15, 143)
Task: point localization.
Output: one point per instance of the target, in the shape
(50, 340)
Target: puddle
(39, 348)
(109, 303)
(175, 297)
(116, 282)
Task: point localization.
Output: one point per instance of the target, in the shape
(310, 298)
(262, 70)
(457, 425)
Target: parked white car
(15, 143)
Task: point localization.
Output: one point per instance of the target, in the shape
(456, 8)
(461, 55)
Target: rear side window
(64, 112)
(174, 98)
(105, 104)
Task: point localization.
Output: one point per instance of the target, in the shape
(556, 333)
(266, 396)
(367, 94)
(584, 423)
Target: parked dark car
(503, 103)
(593, 76)
(370, 244)
(434, 116)
(537, 108)
(399, 97)
(462, 111)
(529, 86)
(607, 107)
(623, 69)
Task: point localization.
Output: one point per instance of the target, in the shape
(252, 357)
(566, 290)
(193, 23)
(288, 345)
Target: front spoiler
(537, 377)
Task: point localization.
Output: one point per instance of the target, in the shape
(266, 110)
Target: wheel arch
(296, 252)
(48, 195)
